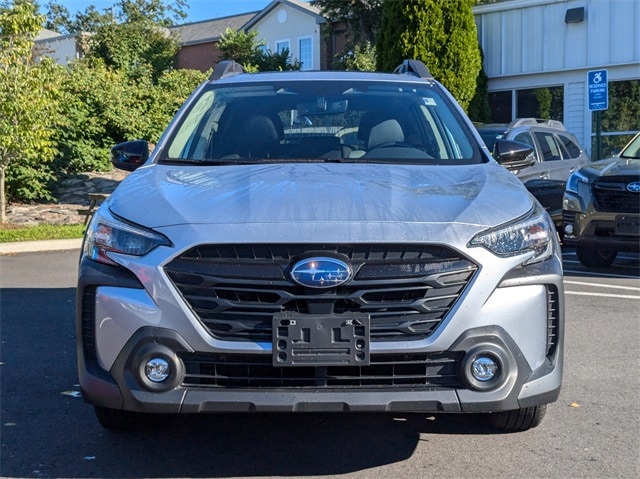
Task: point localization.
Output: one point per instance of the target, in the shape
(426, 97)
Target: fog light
(484, 368)
(568, 229)
(157, 369)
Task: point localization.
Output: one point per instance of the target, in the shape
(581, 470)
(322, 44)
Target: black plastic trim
(136, 396)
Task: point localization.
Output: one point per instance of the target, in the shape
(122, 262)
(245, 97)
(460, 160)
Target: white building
(293, 25)
(549, 46)
(62, 48)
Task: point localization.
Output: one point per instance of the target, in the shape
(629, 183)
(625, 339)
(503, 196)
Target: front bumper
(120, 325)
(124, 388)
(599, 229)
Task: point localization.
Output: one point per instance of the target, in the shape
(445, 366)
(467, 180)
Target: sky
(198, 9)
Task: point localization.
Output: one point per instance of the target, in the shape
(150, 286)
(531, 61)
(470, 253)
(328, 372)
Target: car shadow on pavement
(48, 431)
(289, 445)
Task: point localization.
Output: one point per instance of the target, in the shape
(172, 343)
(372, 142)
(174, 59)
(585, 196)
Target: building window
(283, 45)
(546, 103)
(501, 106)
(621, 120)
(305, 51)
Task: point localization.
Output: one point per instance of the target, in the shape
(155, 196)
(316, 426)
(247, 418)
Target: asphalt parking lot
(46, 429)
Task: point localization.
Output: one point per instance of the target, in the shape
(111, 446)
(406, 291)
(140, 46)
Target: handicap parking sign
(598, 90)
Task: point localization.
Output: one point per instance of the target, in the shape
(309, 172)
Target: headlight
(574, 180)
(532, 233)
(110, 234)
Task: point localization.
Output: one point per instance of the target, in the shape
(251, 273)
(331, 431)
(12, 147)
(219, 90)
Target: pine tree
(441, 33)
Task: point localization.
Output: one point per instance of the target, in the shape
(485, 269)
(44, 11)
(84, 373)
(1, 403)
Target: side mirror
(130, 155)
(513, 155)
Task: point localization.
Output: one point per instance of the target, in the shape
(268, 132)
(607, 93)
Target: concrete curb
(35, 246)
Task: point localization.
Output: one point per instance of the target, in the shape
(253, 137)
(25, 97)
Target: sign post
(598, 87)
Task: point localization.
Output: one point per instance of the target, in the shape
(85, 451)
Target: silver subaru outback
(320, 241)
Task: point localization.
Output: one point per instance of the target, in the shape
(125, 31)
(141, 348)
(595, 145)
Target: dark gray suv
(319, 241)
(601, 209)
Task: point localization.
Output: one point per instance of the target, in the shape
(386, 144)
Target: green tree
(479, 108)
(359, 22)
(243, 47)
(103, 107)
(157, 12)
(140, 49)
(441, 33)
(361, 58)
(247, 49)
(360, 18)
(28, 107)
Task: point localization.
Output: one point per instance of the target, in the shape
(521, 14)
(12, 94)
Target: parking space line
(602, 275)
(604, 295)
(600, 285)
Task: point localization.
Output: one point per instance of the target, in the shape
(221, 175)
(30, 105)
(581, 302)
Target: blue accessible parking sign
(598, 90)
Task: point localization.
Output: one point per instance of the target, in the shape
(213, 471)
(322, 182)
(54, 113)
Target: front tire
(595, 256)
(518, 420)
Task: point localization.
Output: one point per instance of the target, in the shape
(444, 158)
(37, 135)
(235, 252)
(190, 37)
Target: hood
(613, 167)
(161, 195)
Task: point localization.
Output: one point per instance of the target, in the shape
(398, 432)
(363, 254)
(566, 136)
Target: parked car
(602, 208)
(320, 241)
(557, 153)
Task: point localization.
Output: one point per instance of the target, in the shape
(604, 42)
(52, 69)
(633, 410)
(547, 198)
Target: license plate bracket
(628, 225)
(321, 340)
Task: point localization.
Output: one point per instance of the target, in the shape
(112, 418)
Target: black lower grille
(553, 319)
(88, 322)
(433, 370)
(235, 290)
(611, 194)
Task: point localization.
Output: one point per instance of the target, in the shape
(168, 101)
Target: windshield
(490, 137)
(632, 150)
(322, 121)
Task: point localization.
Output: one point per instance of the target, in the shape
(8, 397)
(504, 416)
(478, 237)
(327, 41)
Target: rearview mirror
(322, 106)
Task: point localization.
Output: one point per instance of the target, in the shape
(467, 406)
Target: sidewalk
(36, 246)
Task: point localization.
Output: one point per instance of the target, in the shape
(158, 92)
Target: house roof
(297, 4)
(47, 34)
(209, 30)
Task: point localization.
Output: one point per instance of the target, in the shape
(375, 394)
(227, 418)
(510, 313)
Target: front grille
(235, 290)
(611, 195)
(432, 370)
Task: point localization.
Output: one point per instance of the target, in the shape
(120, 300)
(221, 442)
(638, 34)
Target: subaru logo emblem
(320, 272)
(634, 187)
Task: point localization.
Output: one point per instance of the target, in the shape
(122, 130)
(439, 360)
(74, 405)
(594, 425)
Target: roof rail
(225, 69)
(537, 121)
(413, 67)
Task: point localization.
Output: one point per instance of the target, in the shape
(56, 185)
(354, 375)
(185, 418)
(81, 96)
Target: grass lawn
(10, 232)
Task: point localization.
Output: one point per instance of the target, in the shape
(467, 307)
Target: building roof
(47, 35)
(209, 30)
(297, 4)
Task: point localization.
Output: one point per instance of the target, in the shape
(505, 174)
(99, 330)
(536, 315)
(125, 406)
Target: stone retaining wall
(72, 196)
